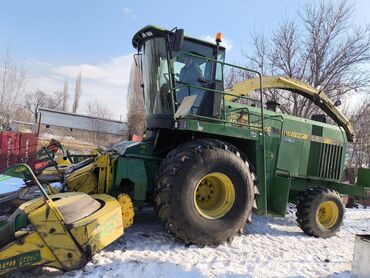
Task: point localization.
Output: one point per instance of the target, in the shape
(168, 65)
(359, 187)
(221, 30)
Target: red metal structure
(27, 148)
(16, 148)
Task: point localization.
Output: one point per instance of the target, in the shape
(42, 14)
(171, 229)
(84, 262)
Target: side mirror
(178, 39)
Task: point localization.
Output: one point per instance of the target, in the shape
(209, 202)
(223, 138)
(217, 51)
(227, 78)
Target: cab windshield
(156, 77)
(195, 74)
(191, 76)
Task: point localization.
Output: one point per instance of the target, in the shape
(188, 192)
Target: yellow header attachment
(246, 87)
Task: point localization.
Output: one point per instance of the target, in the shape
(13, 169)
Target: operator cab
(174, 70)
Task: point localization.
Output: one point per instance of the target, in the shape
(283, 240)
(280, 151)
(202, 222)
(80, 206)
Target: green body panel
(363, 177)
(134, 171)
(217, 129)
(298, 154)
(278, 196)
(299, 148)
(302, 184)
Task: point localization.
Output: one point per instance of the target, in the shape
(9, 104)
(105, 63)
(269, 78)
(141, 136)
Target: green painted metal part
(363, 177)
(294, 147)
(290, 154)
(319, 97)
(134, 171)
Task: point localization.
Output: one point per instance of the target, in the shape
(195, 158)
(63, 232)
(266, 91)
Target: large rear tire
(320, 213)
(204, 192)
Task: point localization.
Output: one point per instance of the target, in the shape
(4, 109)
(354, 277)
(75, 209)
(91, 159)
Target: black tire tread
(165, 180)
(305, 212)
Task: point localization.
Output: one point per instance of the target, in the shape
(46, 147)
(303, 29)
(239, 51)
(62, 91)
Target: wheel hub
(328, 214)
(214, 195)
(205, 190)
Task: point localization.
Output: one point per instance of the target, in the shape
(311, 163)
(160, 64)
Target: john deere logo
(25, 259)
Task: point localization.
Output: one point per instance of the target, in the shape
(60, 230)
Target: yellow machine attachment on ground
(94, 176)
(62, 231)
(91, 176)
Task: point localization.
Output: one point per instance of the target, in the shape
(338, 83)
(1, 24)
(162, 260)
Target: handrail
(185, 53)
(235, 109)
(212, 90)
(262, 170)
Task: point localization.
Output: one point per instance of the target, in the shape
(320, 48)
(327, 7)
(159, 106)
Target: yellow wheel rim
(328, 214)
(214, 195)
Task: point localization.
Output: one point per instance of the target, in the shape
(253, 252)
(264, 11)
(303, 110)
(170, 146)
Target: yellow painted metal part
(127, 208)
(55, 235)
(53, 171)
(248, 86)
(63, 161)
(62, 164)
(328, 214)
(104, 163)
(49, 242)
(83, 180)
(93, 178)
(28, 248)
(52, 190)
(100, 229)
(214, 195)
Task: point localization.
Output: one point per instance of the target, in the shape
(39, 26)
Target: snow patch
(269, 247)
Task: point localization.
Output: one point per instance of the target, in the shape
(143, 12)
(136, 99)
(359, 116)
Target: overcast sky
(55, 40)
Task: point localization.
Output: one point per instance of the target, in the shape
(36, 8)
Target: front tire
(204, 192)
(320, 213)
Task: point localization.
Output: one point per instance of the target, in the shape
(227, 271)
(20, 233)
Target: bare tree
(359, 151)
(78, 90)
(98, 110)
(38, 99)
(12, 83)
(65, 96)
(233, 75)
(322, 47)
(22, 114)
(135, 102)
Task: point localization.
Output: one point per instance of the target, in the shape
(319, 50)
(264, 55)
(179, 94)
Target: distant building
(99, 130)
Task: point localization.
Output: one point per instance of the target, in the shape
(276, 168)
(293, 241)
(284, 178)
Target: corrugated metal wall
(16, 148)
